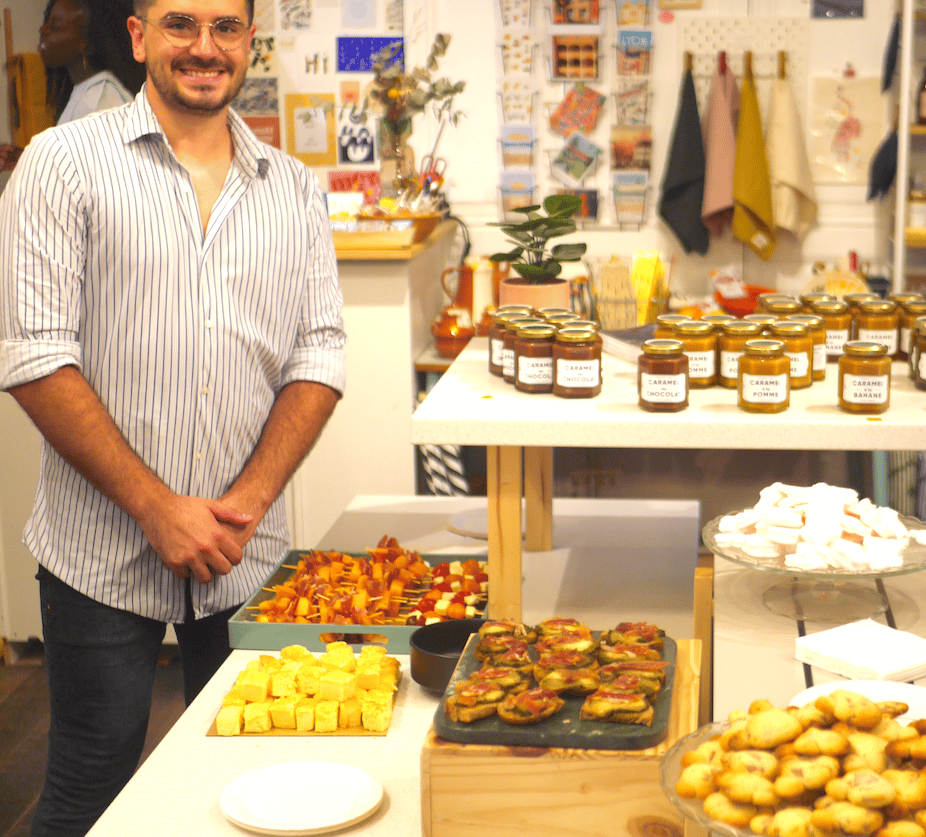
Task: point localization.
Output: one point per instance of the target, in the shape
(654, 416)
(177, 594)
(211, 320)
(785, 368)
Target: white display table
(468, 406)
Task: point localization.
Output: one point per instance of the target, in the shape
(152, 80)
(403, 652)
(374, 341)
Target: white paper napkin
(865, 650)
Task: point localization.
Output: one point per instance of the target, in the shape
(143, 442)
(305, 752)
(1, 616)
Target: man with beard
(170, 319)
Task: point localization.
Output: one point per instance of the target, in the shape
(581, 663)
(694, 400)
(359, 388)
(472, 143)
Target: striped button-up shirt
(186, 336)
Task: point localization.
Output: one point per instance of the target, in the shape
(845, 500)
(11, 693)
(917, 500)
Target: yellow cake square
(230, 720)
(336, 685)
(257, 717)
(326, 716)
(375, 717)
(254, 685)
(305, 714)
(283, 711)
(234, 698)
(341, 661)
(299, 653)
(283, 682)
(367, 673)
(308, 675)
(349, 713)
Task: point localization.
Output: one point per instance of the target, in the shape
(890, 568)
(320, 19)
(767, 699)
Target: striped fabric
(185, 337)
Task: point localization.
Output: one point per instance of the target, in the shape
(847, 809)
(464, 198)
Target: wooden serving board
(565, 728)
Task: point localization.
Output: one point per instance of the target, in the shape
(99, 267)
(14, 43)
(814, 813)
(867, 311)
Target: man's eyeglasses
(182, 31)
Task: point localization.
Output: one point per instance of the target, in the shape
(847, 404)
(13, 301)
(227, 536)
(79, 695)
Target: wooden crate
(476, 790)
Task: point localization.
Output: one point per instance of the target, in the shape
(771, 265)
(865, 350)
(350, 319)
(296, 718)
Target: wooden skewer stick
(782, 64)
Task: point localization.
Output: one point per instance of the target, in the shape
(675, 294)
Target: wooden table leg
(538, 499)
(503, 490)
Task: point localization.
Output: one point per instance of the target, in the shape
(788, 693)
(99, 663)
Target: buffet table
(468, 406)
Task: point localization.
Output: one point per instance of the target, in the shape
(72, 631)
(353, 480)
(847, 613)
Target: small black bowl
(435, 650)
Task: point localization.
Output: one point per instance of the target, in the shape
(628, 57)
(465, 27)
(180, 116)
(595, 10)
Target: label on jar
(578, 374)
(535, 371)
(662, 389)
(905, 334)
(800, 364)
(835, 340)
(921, 366)
(496, 349)
(765, 389)
(819, 357)
(729, 364)
(884, 336)
(508, 363)
(702, 364)
(865, 389)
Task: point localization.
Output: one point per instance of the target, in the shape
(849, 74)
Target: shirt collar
(249, 151)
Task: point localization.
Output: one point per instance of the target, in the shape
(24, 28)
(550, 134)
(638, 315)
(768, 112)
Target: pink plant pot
(553, 293)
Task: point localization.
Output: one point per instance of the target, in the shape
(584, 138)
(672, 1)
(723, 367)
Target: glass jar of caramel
(764, 384)
(818, 338)
(781, 306)
(909, 312)
(798, 347)
(864, 377)
(837, 323)
(763, 299)
(576, 363)
(533, 358)
(700, 344)
(877, 321)
(665, 325)
(510, 335)
(807, 300)
(560, 318)
(731, 347)
(903, 297)
(917, 340)
(662, 376)
(765, 320)
(550, 311)
(497, 337)
(853, 301)
(717, 320)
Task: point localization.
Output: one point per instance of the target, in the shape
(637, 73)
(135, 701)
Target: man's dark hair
(142, 6)
(109, 47)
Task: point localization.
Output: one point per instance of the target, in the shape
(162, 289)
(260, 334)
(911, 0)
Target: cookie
(718, 807)
(805, 773)
(789, 822)
(750, 761)
(862, 787)
(910, 787)
(768, 728)
(697, 780)
(852, 708)
(865, 750)
(747, 788)
(821, 742)
(847, 818)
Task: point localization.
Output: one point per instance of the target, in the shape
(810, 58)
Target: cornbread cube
(234, 698)
(367, 673)
(257, 717)
(305, 714)
(299, 653)
(283, 682)
(336, 685)
(339, 661)
(338, 647)
(254, 685)
(230, 720)
(308, 675)
(379, 697)
(375, 652)
(349, 713)
(283, 711)
(269, 663)
(376, 718)
(326, 716)
(386, 683)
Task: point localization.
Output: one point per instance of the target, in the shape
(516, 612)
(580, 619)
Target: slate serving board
(565, 728)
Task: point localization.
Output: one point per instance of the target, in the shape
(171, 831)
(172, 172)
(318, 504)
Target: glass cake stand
(829, 596)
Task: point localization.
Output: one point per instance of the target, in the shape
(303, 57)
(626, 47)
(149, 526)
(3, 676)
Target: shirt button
(208, 323)
(205, 390)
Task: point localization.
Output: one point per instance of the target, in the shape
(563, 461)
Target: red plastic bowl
(742, 306)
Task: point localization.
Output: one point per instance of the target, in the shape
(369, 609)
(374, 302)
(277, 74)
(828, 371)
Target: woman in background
(87, 53)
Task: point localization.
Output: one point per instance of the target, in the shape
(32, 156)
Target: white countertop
(176, 790)
(469, 406)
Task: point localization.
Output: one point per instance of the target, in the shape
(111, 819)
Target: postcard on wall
(516, 12)
(578, 111)
(633, 12)
(629, 189)
(395, 16)
(634, 47)
(631, 146)
(576, 159)
(518, 51)
(575, 11)
(310, 128)
(355, 143)
(258, 104)
(518, 97)
(575, 57)
(262, 60)
(588, 210)
(846, 126)
(358, 14)
(517, 190)
(295, 14)
(518, 146)
(631, 101)
(359, 180)
(264, 17)
(355, 55)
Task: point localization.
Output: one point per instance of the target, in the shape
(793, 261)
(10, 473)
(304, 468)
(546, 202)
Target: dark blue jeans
(101, 664)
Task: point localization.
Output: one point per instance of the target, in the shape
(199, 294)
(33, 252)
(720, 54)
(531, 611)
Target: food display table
(468, 406)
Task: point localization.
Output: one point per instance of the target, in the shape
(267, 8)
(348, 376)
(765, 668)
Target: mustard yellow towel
(753, 222)
(794, 201)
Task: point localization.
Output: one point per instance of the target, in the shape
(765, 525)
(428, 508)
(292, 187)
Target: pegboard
(705, 37)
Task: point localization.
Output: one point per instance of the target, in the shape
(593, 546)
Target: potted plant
(536, 262)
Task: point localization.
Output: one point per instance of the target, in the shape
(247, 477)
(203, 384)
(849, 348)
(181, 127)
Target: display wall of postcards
(574, 106)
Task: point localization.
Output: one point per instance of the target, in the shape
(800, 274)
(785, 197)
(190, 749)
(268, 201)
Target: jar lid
(515, 306)
(515, 323)
(741, 327)
(878, 306)
(671, 319)
(830, 306)
(568, 334)
(809, 299)
(906, 296)
(663, 347)
(536, 331)
(789, 328)
(693, 328)
(764, 347)
(915, 306)
(717, 319)
(762, 319)
(773, 295)
(812, 320)
(864, 348)
(560, 318)
(782, 305)
(502, 317)
(854, 299)
(582, 324)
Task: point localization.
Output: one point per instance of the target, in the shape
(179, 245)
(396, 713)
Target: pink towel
(719, 131)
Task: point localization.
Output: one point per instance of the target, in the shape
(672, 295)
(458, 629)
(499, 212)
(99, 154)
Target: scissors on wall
(431, 172)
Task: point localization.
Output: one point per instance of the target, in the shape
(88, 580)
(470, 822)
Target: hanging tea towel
(683, 181)
(794, 201)
(719, 131)
(753, 222)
